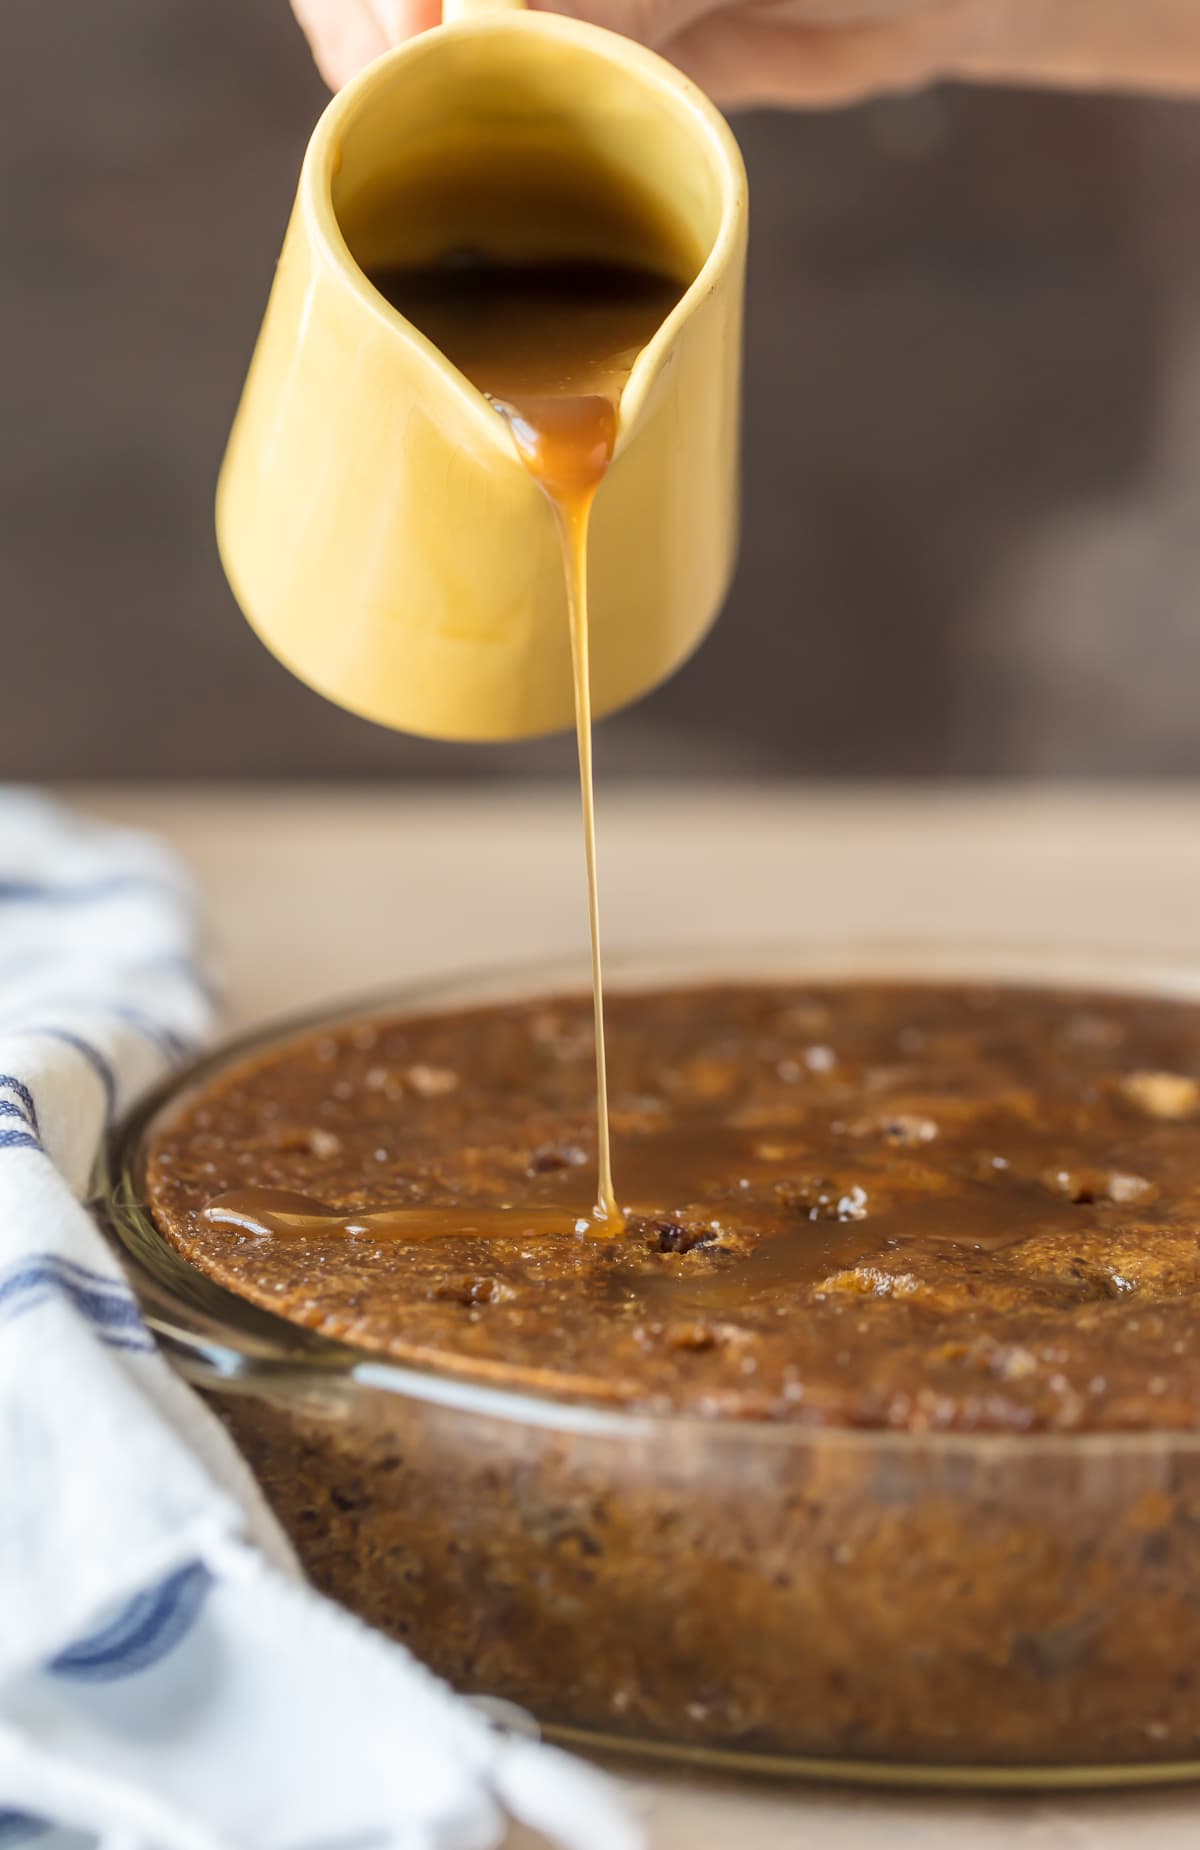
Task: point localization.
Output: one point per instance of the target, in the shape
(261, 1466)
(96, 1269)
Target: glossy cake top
(911, 1206)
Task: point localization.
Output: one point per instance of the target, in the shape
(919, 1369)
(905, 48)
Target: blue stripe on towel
(143, 1633)
(23, 1096)
(95, 1059)
(103, 1302)
(158, 1033)
(17, 1826)
(89, 1274)
(79, 892)
(168, 1040)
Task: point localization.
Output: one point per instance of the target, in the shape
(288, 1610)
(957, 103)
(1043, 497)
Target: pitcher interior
(524, 145)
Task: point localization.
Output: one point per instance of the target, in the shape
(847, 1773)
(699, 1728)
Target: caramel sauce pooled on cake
(885, 1205)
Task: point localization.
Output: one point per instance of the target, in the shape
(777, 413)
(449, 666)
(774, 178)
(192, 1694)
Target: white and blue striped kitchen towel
(167, 1680)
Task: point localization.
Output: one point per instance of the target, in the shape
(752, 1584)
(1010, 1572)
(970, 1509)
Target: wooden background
(972, 531)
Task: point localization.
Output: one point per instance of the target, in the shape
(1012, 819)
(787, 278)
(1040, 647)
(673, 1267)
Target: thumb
(345, 35)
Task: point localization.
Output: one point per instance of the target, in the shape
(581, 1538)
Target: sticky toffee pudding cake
(946, 1232)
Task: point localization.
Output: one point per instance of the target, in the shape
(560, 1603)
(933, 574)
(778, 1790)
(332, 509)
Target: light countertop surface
(325, 892)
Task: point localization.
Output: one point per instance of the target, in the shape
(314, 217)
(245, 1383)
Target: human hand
(815, 52)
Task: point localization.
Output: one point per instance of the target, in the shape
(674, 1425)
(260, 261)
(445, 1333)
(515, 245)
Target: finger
(344, 35)
(840, 14)
(1087, 44)
(403, 19)
(747, 55)
(651, 22)
(659, 22)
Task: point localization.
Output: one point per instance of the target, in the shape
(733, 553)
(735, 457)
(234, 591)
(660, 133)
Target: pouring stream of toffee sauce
(551, 345)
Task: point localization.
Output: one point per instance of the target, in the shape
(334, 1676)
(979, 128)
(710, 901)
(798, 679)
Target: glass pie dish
(932, 1608)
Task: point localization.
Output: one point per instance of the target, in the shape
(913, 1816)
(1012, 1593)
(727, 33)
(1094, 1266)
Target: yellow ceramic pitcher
(374, 518)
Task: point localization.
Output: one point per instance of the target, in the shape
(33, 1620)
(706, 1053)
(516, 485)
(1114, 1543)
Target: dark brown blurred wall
(972, 530)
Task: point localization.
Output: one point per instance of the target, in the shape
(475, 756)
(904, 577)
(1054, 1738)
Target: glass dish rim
(234, 1346)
